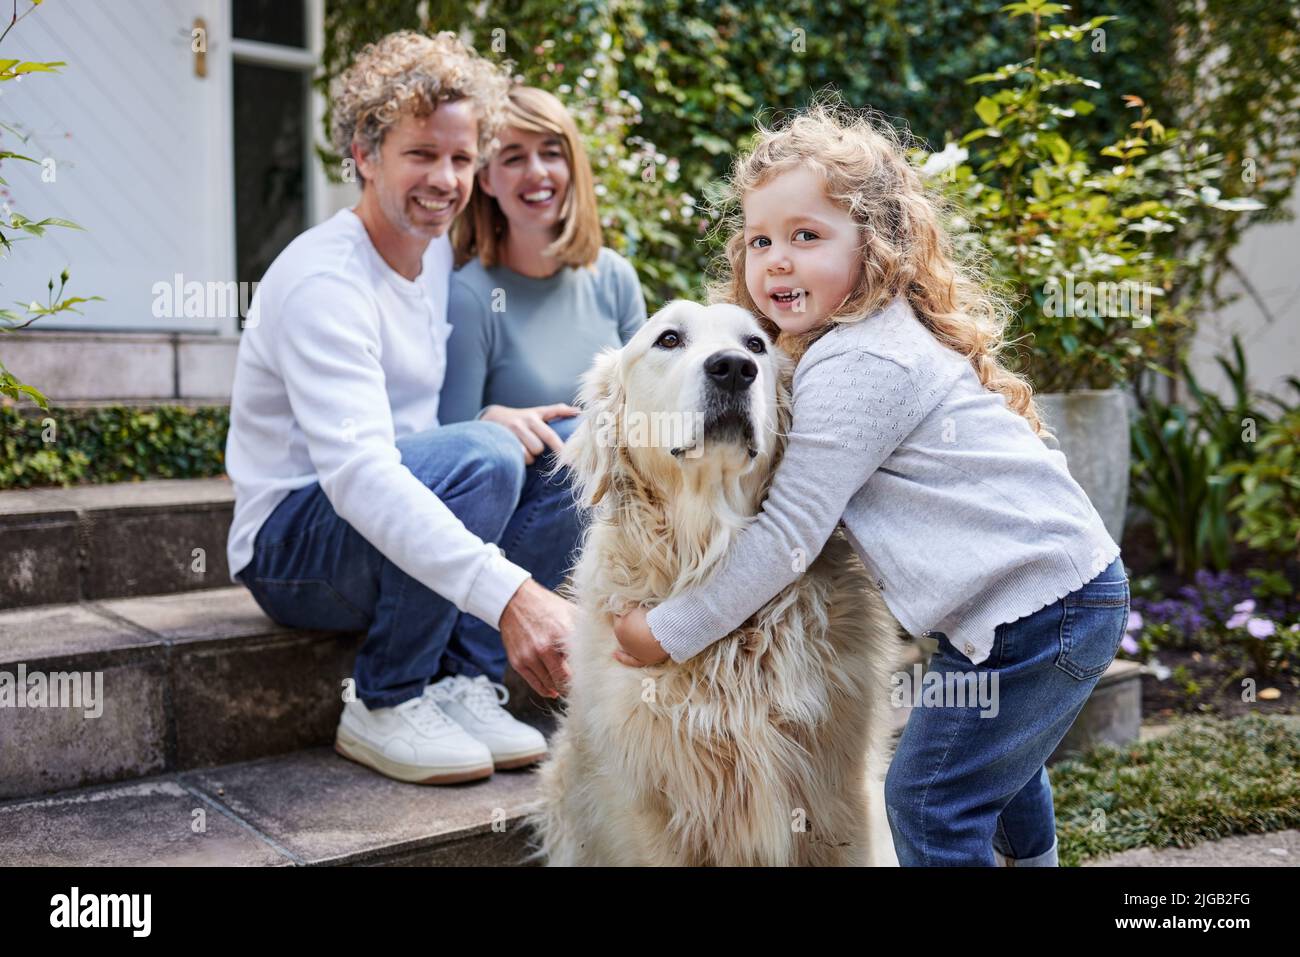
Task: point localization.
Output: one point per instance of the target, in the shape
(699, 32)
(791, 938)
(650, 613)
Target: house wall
(1269, 256)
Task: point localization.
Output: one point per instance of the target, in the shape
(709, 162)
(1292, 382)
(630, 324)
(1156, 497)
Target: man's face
(423, 172)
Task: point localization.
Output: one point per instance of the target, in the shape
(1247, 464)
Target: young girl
(909, 431)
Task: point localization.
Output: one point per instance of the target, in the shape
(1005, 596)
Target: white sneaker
(476, 706)
(413, 741)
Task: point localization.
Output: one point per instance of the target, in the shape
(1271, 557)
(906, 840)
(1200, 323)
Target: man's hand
(637, 644)
(529, 425)
(533, 628)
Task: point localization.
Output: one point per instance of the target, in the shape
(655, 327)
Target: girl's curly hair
(411, 72)
(904, 246)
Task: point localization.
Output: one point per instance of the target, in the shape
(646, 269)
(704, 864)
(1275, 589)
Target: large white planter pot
(1092, 427)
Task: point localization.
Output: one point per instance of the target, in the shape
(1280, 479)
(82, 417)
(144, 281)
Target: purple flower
(1134, 622)
(1247, 605)
(1129, 645)
(1239, 619)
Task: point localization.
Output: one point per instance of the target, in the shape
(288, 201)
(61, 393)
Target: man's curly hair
(411, 72)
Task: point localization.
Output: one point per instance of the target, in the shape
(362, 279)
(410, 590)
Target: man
(353, 508)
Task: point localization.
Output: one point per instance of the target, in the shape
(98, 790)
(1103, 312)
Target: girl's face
(529, 177)
(801, 250)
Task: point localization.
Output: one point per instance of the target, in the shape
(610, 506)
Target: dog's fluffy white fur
(768, 747)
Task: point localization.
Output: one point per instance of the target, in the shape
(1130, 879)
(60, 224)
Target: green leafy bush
(1268, 505)
(1187, 461)
(111, 444)
(701, 70)
(1072, 233)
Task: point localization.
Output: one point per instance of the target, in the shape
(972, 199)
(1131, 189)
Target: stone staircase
(113, 541)
(212, 730)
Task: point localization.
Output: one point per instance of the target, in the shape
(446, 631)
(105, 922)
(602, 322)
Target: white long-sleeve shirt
(341, 356)
(961, 514)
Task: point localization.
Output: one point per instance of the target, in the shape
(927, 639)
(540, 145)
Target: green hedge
(698, 71)
(111, 444)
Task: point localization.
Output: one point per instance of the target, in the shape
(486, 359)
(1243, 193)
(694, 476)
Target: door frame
(231, 49)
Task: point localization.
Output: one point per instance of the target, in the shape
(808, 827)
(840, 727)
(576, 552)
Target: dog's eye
(669, 340)
(756, 345)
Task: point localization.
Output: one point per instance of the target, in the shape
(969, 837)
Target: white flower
(1160, 671)
(1260, 628)
(951, 156)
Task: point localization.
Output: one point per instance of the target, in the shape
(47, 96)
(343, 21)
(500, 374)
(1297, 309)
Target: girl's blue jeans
(311, 569)
(967, 781)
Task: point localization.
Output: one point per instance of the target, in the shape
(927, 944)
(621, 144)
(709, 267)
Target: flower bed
(1226, 643)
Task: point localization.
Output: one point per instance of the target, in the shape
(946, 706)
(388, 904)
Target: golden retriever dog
(768, 747)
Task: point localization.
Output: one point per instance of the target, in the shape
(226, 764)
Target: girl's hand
(637, 644)
(529, 425)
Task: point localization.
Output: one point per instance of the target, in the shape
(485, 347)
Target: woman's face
(529, 177)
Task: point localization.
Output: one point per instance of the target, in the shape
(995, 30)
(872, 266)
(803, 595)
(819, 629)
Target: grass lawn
(1206, 779)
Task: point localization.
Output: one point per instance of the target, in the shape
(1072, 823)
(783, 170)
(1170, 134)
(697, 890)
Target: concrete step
(31, 409)
(171, 683)
(113, 541)
(160, 366)
(312, 807)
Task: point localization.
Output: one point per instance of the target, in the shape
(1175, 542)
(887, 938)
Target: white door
(140, 145)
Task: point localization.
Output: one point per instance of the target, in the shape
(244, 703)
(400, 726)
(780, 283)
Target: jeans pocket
(1092, 628)
(306, 603)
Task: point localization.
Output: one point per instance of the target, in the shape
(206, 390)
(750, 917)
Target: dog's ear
(592, 453)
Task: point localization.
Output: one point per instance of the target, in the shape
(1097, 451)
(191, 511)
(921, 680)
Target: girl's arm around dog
(852, 408)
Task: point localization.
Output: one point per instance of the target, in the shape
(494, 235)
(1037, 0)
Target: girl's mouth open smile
(784, 297)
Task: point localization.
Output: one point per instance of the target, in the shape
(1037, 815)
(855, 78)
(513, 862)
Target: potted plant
(1078, 242)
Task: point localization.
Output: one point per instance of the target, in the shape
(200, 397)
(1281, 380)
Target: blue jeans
(311, 569)
(968, 779)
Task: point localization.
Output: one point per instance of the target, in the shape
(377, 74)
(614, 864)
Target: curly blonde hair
(905, 247)
(411, 72)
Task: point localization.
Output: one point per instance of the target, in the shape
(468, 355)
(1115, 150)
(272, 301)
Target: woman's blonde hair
(905, 248)
(481, 229)
(410, 72)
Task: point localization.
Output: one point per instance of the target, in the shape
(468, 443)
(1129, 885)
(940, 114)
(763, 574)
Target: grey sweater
(520, 341)
(963, 516)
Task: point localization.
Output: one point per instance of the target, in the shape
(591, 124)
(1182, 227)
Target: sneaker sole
(357, 750)
(506, 764)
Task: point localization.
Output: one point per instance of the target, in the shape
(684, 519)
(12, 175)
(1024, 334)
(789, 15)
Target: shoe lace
(482, 697)
(423, 712)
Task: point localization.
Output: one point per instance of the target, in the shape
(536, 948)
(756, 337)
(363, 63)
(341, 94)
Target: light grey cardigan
(964, 518)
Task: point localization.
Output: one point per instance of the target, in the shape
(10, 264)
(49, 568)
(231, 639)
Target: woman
(536, 295)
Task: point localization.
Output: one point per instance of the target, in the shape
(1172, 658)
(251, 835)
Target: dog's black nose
(730, 371)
